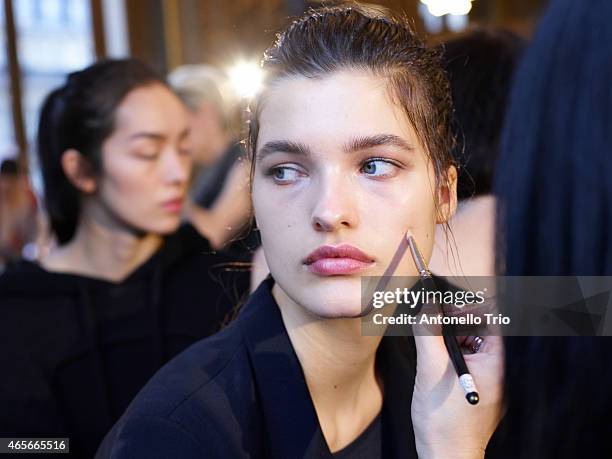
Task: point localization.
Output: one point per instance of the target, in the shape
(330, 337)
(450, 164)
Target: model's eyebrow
(355, 144)
(282, 146)
(378, 140)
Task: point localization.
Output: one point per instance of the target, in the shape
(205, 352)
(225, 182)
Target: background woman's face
(146, 161)
(338, 163)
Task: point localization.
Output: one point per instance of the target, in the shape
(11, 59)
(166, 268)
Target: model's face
(146, 161)
(337, 163)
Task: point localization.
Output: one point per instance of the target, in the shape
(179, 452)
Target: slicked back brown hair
(356, 37)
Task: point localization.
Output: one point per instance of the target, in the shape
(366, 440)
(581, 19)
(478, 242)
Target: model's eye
(284, 175)
(146, 155)
(379, 168)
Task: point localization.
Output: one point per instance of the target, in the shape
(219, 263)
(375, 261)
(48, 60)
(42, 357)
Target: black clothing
(367, 446)
(242, 394)
(75, 350)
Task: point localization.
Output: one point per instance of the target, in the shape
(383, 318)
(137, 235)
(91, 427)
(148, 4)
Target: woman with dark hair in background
(126, 288)
(350, 145)
(554, 186)
(480, 64)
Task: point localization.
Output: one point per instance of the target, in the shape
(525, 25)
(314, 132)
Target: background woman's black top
(74, 350)
(242, 394)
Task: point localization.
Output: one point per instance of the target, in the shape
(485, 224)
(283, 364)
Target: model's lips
(337, 260)
(173, 205)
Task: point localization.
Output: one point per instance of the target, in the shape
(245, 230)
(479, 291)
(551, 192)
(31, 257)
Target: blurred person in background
(127, 286)
(220, 180)
(480, 64)
(17, 212)
(554, 190)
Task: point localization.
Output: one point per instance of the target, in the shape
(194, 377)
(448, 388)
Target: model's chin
(342, 313)
(336, 303)
(322, 297)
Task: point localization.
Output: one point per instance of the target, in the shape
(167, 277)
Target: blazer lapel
(291, 421)
(396, 359)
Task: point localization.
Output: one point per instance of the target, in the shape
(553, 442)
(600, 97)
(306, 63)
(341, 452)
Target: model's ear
(79, 171)
(447, 196)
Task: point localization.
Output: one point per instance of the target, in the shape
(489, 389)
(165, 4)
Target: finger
(493, 345)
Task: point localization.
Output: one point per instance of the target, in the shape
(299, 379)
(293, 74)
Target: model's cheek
(130, 194)
(406, 199)
(388, 218)
(129, 187)
(280, 231)
(276, 206)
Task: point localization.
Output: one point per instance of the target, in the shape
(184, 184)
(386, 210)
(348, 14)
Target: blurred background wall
(42, 40)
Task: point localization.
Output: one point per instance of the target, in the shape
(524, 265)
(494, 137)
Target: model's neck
(339, 366)
(103, 248)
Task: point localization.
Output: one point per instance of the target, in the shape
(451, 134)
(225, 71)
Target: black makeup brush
(465, 378)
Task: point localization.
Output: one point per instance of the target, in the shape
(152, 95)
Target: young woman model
(350, 148)
(126, 288)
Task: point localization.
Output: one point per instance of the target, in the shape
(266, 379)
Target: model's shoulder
(202, 398)
(27, 279)
(153, 437)
(32, 298)
(17, 272)
(197, 376)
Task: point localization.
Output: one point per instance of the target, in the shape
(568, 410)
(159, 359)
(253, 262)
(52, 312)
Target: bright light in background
(246, 78)
(452, 13)
(443, 7)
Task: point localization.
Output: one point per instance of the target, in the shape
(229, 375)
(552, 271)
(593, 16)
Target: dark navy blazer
(242, 394)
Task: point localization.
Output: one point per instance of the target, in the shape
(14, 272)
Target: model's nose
(334, 208)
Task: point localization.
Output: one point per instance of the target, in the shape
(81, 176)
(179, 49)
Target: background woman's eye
(147, 155)
(378, 168)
